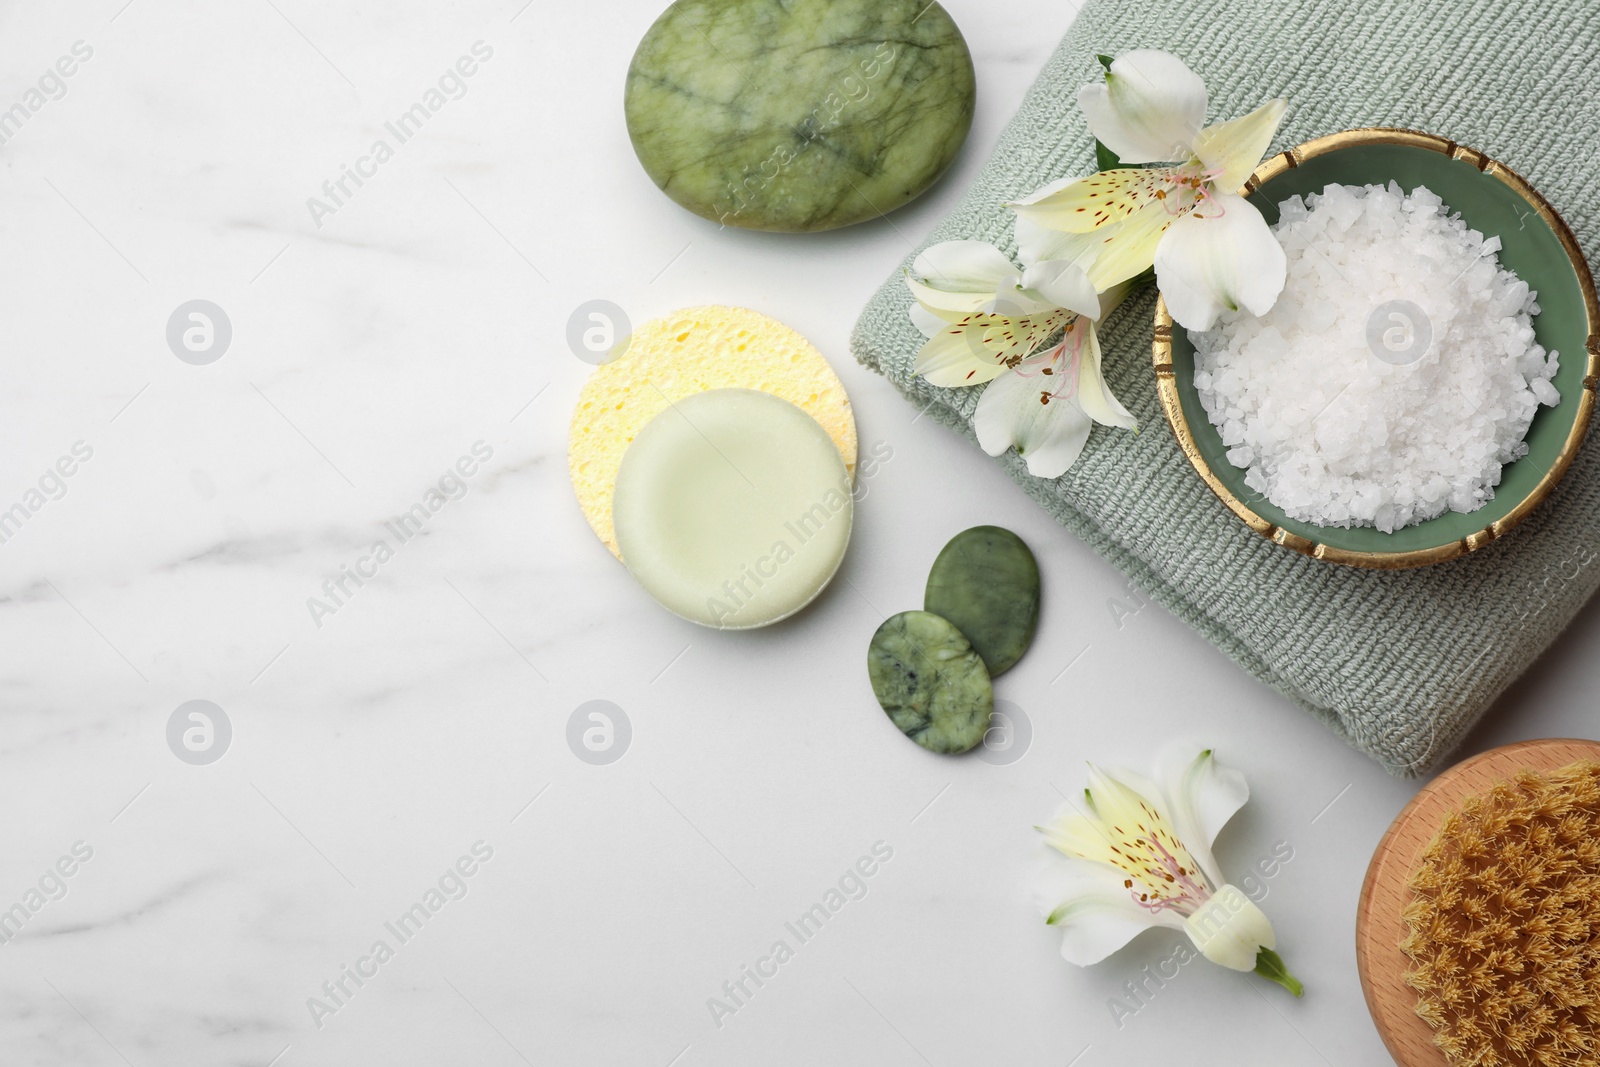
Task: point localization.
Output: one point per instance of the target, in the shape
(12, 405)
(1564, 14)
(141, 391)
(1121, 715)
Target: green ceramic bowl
(1536, 244)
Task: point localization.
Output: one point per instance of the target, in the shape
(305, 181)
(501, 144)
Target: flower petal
(1226, 260)
(1230, 930)
(1201, 796)
(1149, 107)
(1007, 339)
(957, 278)
(1020, 302)
(951, 360)
(1044, 192)
(1129, 248)
(1095, 914)
(930, 323)
(946, 304)
(1112, 297)
(1011, 302)
(1079, 836)
(1049, 436)
(1001, 408)
(1102, 199)
(1128, 829)
(1233, 148)
(1036, 244)
(965, 267)
(1064, 285)
(1093, 396)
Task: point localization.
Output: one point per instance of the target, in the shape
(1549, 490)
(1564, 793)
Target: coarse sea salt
(1396, 375)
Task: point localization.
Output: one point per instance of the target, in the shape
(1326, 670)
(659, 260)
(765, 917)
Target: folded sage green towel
(1399, 663)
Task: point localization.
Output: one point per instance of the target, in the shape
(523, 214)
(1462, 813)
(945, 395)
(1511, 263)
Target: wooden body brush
(1478, 932)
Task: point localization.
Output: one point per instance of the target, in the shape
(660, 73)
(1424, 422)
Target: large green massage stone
(799, 115)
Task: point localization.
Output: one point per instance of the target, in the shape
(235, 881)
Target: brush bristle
(1504, 925)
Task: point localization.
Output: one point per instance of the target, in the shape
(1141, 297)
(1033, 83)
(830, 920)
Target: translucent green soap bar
(799, 116)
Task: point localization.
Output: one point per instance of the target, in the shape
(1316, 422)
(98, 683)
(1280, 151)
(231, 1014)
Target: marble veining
(450, 699)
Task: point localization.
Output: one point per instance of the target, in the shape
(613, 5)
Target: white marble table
(423, 713)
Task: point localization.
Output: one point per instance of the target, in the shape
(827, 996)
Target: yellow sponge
(685, 353)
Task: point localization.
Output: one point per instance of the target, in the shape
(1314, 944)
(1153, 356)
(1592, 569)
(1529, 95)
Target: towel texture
(1401, 664)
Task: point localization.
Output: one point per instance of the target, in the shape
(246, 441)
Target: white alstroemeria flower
(982, 314)
(1139, 856)
(985, 317)
(1211, 249)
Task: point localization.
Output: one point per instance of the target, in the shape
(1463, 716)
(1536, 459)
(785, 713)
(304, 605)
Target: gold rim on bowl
(1166, 383)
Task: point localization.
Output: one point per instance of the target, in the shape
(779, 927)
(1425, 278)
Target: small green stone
(799, 115)
(986, 582)
(931, 683)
